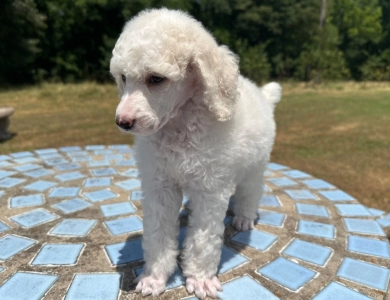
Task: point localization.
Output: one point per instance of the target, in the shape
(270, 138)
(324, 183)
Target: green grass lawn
(339, 132)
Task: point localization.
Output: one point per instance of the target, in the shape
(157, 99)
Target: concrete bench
(5, 113)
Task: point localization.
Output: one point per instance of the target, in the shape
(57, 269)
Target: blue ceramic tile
(22, 154)
(69, 176)
(34, 217)
(337, 195)
(125, 252)
(23, 285)
(104, 172)
(73, 227)
(185, 201)
(338, 291)
(300, 194)
(78, 153)
(282, 181)
(103, 152)
(131, 173)
(316, 229)
(287, 273)
(100, 195)
(4, 164)
(29, 200)
(119, 146)
(269, 200)
(82, 159)
(276, 167)
(4, 174)
(39, 173)
(245, 288)
(28, 167)
(62, 192)
(4, 157)
(96, 182)
(363, 226)
(41, 152)
(103, 286)
(296, 174)
(25, 160)
(368, 246)
(116, 157)
(309, 252)
(95, 147)
(50, 156)
(312, 210)
(352, 210)
(269, 173)
(230, 259)
(376, 212)
(70, 206)
(364, 273)
(125, 151)
(124, 225)
(175, 280)
(11, 245)
(127, 162)
(40, 185)
(226, 221)
(68, 167)
(130, 184)
(257, 239)
(3, 227)
(9, 182)
(117, 209)
(70, 148)
(317, 184)
(270, 218)
(99, 163)
(58, 254)
(384, 222)
(181, 237)
(56, 161)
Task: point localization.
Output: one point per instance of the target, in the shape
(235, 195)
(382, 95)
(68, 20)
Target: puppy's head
(162, 59)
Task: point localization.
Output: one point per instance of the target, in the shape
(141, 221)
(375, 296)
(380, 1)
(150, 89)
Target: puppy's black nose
(124, 123)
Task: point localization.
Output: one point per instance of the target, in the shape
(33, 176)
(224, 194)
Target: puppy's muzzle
(124, 123)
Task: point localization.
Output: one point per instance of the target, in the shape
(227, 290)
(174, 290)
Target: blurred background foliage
(72, 40)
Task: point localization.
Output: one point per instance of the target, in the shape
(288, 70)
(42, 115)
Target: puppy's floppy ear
(218, 72)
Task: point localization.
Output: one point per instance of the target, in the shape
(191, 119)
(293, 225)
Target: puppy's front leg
(161, 206)
(202, 246)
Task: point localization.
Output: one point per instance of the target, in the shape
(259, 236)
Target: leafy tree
(360, 27)
(22, 26)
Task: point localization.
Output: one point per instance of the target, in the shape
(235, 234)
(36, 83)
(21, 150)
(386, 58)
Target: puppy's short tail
(272, 92)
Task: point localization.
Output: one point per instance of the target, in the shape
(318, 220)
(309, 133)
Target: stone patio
(71, 227)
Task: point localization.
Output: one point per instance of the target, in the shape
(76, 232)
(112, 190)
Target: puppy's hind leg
(247, 196)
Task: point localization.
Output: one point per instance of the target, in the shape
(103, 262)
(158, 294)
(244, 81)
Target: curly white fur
(204, 131)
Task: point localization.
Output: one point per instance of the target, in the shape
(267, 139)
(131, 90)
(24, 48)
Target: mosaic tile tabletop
(71, 228)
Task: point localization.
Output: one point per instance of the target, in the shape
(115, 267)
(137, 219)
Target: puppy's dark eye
(156, 79)
(124, 78)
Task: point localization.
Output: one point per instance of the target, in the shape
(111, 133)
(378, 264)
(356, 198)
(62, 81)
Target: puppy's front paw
(150, 284)
(203, 288)
(243, 224)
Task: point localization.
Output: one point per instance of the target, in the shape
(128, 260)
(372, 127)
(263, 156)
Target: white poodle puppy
(202, 130)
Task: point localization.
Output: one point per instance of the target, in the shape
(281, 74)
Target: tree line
(306, 40)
